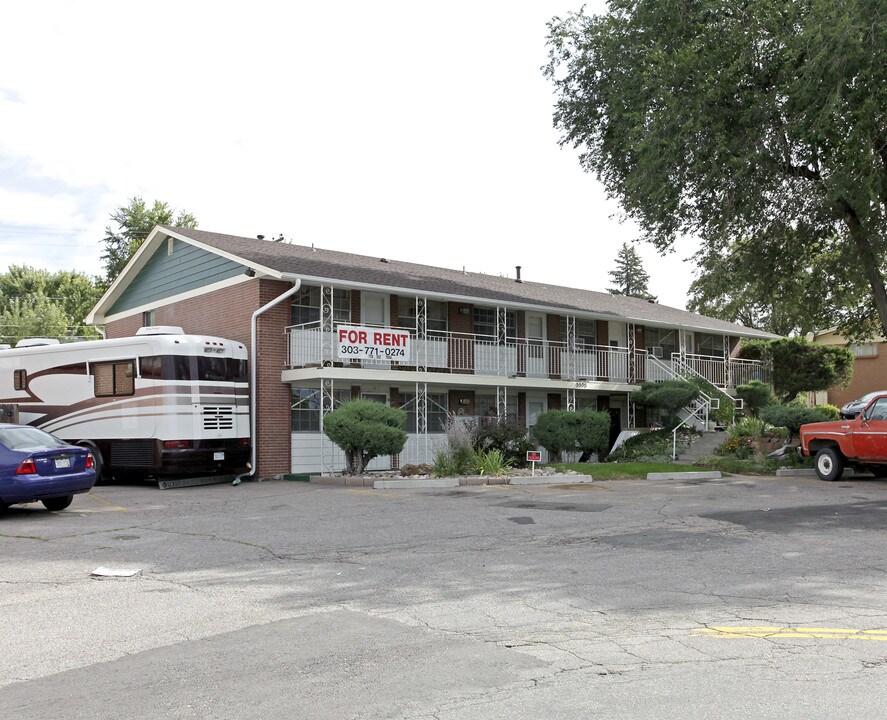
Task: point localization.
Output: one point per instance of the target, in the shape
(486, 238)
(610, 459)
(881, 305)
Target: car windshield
(27, 438)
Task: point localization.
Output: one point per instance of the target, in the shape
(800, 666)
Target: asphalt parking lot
(741, 597)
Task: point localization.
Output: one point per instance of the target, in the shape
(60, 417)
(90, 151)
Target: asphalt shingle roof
(368, 270)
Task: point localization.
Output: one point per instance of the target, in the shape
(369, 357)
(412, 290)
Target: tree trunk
(870, 264)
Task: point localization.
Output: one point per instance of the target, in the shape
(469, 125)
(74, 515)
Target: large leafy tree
(774, 286)
(37, 302)
(134, 222)
(629, 275)
(736, 120)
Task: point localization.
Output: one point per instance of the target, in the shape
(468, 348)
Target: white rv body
(154, 404)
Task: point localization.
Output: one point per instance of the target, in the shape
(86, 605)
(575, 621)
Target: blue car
(35, 465)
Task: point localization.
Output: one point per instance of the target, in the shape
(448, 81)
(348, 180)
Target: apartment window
(864, 349)
(149, 317)
(114, 379)
(435, 311)
(20, 379)
(485, 322)
(586, 331)
(305, 408)
(665, 339)
(436, 416)
(307, 303)
(710, 345)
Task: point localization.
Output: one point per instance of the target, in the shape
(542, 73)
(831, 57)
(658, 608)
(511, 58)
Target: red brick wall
(227, 313)
(869, 375)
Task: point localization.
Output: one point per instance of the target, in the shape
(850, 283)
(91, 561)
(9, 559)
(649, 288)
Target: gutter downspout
(253, 396)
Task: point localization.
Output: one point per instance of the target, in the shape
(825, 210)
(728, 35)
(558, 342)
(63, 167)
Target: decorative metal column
(422, 421)
(501, 403)
(571, 399)
(682, 339)
(570, 370)
(632, 358)
(501, 341)
(728, 381)
(632, 412)
(327, 353)
(421, 334)
(327, 448)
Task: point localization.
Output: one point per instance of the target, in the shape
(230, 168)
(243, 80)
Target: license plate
(61, 463)
(219, 456)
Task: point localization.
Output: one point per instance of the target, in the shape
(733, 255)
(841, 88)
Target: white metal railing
(443, 351)
(474, 354)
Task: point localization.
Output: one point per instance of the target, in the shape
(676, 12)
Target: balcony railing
(460, 353)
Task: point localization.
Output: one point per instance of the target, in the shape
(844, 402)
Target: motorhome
(158, 404)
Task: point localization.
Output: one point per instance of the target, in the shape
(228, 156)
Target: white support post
(327, 449)
(328, 353)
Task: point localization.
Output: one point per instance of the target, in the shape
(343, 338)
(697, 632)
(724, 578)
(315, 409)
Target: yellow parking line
(107, 502)
(791, 632)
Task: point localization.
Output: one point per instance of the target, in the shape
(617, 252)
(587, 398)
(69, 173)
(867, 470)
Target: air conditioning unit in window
(655, 351)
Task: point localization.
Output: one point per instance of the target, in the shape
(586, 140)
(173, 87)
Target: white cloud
(402, 129)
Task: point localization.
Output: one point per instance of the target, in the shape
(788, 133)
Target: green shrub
(792, 417)
(510, 439)
(654, 446)
(748, 428)
(364, 430)
(831, 412)
(587, 431)
(671, 395)
(491, 462)
(756, 396)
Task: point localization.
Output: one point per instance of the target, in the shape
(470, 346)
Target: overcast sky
(412, 130)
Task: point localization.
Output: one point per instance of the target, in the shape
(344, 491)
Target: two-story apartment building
(329, 326)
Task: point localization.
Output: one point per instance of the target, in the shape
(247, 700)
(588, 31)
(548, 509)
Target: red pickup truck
(860, 443)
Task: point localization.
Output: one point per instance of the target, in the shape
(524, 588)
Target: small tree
(364, 430)
(801, 366)
(508, 438)
(630, 277)
(671, 395)
(756, 395)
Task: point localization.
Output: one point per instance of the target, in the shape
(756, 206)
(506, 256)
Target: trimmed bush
(364, 430)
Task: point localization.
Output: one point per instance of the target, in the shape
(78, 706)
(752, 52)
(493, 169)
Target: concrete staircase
(701, 445)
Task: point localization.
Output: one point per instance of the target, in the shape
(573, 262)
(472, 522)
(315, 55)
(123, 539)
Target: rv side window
(151, 367)
(114, 378)
(20, 379)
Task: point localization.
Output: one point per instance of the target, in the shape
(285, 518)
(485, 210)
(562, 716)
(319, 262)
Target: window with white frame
(307, 303)
(305, 407)
(586, 331)
(485, 322)
(436, 415)
(435, 311)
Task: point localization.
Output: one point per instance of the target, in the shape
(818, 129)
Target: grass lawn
(622, 471)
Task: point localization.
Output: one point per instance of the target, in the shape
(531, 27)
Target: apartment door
(375, 311)
(536, 350)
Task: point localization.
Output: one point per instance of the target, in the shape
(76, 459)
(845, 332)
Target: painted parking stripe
(791, 632)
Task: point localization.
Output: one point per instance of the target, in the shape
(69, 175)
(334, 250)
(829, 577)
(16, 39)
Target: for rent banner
(366, 343)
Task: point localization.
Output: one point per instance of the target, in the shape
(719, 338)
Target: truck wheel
(98, 462)
(829, 464)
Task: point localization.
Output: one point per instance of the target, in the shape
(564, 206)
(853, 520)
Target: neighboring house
(474, 345)
(869, 367)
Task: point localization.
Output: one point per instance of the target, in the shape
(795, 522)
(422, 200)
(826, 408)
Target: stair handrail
(691, 372)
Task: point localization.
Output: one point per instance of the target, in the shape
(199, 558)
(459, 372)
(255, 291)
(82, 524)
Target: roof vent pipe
(517, 268)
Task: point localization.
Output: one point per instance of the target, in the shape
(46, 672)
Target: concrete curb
(552, 480)
(796, 472)
(419, 483)
(703, 475)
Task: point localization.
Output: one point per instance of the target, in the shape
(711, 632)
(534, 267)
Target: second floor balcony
(459, 353)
